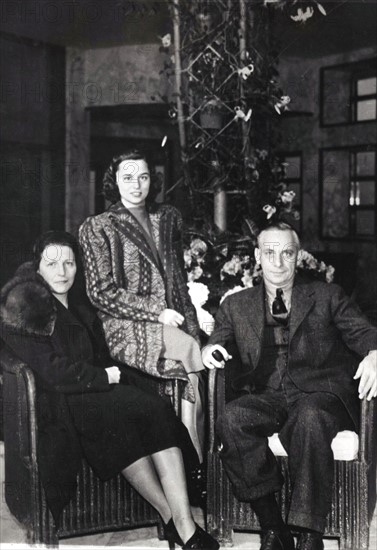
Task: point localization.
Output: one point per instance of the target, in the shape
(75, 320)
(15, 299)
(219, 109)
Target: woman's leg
(160, 479)
(182, 347)
(170, 469)
(143, 477)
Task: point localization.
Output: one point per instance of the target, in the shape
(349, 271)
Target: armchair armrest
(19, 405)
(368, 431)
(216, 401)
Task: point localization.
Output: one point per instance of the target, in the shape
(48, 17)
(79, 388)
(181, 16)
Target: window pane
(335, 193)
(365, 193)
(367, 86)
(365, 222)
(293, 170)
(366, 163)
(366, 110)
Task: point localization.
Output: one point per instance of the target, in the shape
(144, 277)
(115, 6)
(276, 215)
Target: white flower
(195, 273)
(303, 15)
(270, 210)
(330, 274)
(198, 293)
(232, 267)
(187, 258)
(233, 290)
(241, 115)
(247, 279)
(245, 72)
(166, 40)
(287, 197)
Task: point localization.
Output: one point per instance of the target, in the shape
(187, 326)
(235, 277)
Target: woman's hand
(170, 317)
(113, 374)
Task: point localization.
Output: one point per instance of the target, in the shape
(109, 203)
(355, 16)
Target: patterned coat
(130, 289)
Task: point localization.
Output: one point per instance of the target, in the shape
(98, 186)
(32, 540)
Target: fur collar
(27, 304)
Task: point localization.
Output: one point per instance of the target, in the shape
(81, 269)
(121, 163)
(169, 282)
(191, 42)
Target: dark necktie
(278, 306)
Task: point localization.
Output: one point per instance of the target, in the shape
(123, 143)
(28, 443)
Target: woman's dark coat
(68, 361)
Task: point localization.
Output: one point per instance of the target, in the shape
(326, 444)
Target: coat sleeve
(189, 309)
(55, 370)
(102, 290)
(223, 332)
(357, 332)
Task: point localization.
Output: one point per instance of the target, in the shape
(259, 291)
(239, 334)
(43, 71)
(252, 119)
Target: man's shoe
(310, 541)
(277, 540)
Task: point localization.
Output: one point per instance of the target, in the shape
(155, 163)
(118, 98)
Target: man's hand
(171, 317)
(209, 361)
(367, 372)
(113, 374)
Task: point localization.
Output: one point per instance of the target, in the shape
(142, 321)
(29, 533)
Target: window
(348, 179)
(348, 93)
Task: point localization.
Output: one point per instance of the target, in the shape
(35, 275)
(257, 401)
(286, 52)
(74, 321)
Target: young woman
(135, 279)
(82, 406)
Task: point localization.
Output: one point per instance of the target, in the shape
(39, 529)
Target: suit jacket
(129, 288)
(328, 336)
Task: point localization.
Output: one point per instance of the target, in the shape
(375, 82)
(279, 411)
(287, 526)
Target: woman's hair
(60, 238)
(109, 185)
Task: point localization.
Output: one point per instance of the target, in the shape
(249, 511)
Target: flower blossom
(303, 15)
(270, 210)
(245, 72)
(195, 273)
(247, 279)
(198, 248)
(287, 197)
(232, 267)
(241, 115)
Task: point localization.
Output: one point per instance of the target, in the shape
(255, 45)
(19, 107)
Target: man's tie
(278, 306)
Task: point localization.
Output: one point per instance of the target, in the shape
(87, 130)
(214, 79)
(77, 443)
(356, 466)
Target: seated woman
(136, 280)
(82, 407)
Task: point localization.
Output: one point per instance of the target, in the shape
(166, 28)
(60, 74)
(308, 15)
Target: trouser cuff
(307, 521)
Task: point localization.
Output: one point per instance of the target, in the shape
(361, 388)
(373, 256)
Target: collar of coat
(27, 304)
(128, 226)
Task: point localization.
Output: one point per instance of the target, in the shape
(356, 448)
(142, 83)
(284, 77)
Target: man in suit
(304, 350)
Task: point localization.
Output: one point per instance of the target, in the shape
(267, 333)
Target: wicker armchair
(97, 505)
(353, 493)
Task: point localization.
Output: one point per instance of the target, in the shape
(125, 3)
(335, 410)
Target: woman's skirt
(120, 426)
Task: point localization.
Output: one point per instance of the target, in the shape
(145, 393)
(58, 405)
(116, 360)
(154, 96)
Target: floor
(12, 535)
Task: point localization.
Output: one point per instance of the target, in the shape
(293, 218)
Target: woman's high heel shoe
(171, 534)
(201, 540)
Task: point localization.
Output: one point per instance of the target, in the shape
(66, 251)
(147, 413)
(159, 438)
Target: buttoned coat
(130, 288)
(328, 337)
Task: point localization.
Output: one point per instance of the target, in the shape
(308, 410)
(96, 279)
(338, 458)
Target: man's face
(277, 254)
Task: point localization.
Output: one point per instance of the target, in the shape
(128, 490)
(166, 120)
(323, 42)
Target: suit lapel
(254, 303)
(302, 303)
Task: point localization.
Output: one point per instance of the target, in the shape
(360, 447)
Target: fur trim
(27, 304)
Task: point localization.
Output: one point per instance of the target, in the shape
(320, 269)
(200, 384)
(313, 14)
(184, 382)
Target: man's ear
(257, 254)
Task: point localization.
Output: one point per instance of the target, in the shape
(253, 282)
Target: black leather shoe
(310, 541)
(201, 540)
(277, 540)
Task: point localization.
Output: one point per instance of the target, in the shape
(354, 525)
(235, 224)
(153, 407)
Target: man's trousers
(307, 424)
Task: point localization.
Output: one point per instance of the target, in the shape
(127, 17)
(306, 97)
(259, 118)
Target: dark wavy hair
(109, 185)
(60, 238)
